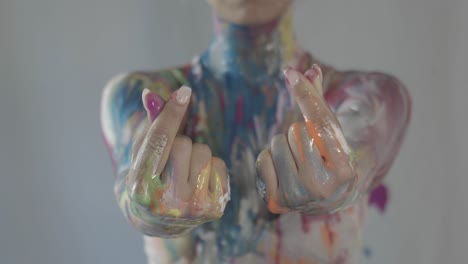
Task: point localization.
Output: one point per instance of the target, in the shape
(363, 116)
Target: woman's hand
(172, 182)
(309, 169)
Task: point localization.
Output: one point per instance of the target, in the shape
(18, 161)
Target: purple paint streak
(379, 198)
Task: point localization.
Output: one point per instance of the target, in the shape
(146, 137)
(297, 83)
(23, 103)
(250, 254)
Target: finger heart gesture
(308, 169)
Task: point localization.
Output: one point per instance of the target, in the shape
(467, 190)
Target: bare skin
(249, 12)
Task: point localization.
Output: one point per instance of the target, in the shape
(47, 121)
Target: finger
(308, 158)
(140, 136)
(153, 104)
(315, 76)
(311, 170)
(162, 132)
(176, 172)
(218, 187)
(307, 92)
(292, 189)
(321, 123)
(267, 183)
(200, 170)
(219, 177)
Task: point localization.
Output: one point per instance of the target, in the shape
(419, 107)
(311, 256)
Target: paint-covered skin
(173, 184)
(240, 106)
(309, 168)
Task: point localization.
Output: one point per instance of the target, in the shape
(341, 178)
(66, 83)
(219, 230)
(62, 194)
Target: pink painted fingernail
(183, 94)
(292, 77)
(313, 73)
(152, 103)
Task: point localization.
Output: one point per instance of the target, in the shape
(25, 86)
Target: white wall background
(56, 200)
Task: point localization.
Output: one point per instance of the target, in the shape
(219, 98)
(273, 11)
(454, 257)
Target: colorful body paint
(239, 103)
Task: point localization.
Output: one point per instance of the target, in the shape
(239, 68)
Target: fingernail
(292, 76)
(313, 73)
(183, 95)
(152, 103)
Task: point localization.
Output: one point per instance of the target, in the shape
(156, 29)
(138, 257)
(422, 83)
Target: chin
(252, 16)
(250, 12)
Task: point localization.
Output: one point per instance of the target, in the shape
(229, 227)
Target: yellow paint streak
(174, 212)
(200, 192)
(287, 35)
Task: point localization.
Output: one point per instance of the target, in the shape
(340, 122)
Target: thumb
(154, 103)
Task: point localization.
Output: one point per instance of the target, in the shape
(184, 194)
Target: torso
(237, 118)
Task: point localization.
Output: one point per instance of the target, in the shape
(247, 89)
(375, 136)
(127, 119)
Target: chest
(234, 112)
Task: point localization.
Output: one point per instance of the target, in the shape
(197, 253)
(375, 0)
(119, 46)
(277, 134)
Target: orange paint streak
(328, 237)
(319, 143)
(297, 138)
(275, 207)
(159, 195)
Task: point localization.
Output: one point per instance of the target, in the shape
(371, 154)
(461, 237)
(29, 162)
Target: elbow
(398, 99)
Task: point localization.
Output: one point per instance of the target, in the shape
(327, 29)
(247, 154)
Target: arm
(123, 118)
(374, 111)
(330, 158)
(140, 128)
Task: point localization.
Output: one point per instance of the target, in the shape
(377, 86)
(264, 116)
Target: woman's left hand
(309, 169)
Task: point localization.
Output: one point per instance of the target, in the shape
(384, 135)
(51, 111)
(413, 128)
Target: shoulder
(121, 97)
(127, 87)
(366, 83)
(378, 79)
(162, 82)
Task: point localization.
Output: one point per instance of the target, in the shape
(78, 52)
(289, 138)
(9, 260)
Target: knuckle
(201, 149)
(218, 163)
(263, 156)
(296, 197)
(277, 139)
(275, 207)
(157, 142)
(220, 167)
(262, 161)
(278, 144)
(183, 141)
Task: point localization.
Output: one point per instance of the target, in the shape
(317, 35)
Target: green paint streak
(352, 156)
(180, 76)
(151, 184)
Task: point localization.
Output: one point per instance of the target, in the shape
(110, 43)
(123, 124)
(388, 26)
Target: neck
(252, 50)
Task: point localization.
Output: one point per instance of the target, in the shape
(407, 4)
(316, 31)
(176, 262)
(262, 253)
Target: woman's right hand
(174, 184)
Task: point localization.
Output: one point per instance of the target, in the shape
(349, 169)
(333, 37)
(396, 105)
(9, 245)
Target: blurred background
(56, 199)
